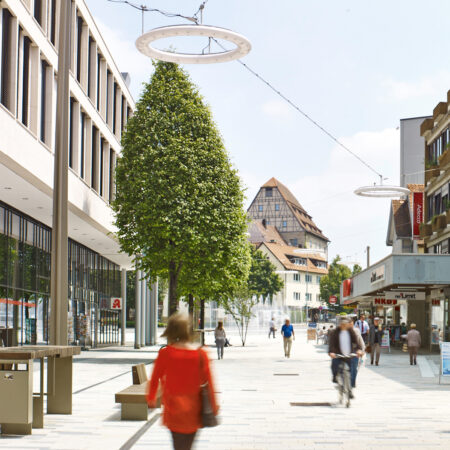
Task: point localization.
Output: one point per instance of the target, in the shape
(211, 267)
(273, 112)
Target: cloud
(277, 108)
(349, 221)
(431, 85)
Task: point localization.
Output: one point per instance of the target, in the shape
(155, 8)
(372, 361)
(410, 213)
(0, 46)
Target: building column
(124, 307)
(148, 315)
(143, 308)
(137, 312)
(154, 317)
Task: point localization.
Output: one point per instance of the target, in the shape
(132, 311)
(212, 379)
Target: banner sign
(377, 275)
(333, 299)
(445, 359)
(417, 213)
(116, 303)
(312, 325)
(404, 295)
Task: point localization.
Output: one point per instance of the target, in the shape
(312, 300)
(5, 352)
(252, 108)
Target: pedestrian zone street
(395, 406)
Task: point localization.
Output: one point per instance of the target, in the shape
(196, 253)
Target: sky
(356, 66)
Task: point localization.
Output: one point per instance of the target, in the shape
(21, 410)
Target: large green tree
(179, 202)
(331, 284)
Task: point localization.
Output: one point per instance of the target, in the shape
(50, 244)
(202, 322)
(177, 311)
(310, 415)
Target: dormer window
(269, 192)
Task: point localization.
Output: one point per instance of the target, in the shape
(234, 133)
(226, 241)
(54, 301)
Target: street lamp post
(59, 261)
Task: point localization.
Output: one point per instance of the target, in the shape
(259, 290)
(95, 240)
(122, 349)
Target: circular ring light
(243, 45)
(381, 191)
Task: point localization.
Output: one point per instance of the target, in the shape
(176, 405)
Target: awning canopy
(407, 271)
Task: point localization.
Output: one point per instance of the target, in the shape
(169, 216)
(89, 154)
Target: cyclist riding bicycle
(343, 341)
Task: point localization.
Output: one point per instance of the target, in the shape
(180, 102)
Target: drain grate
(286, 374)
(311, 404)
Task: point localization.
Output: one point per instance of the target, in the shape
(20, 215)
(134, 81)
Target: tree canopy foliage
(179, 202)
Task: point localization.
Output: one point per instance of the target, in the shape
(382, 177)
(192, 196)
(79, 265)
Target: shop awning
(408, 271)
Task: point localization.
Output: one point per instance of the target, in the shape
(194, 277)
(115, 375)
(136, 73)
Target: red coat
(178, 371)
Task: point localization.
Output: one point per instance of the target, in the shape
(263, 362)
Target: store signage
(347, 287)
(377, 275)
(445, 359)
(333, 299)
(417, 213)
(312, 325)
(404, 295)
(385, 301)
(116, 303)
(435, 302)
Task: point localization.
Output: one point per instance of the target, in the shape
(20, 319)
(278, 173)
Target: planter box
(448, 217)
(431, 173)
(439, 223)
(444, 159)
(425, 230)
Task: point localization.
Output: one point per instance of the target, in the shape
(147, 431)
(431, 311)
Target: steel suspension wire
(303, 113)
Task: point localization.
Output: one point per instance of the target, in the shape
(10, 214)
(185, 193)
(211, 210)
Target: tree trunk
(191, 310)
(202, 320)
(173, 285)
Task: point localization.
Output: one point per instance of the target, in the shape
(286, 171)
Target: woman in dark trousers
(180, 369)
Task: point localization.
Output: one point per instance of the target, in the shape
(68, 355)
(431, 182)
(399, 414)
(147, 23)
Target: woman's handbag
(208, 417)
(368, 348)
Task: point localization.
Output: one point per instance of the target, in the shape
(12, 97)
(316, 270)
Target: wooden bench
(133, 399)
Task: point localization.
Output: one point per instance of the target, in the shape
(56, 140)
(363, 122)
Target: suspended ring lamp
(243, 45)
(381, 191)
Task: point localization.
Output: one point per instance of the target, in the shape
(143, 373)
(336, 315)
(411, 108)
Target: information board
(445, 359)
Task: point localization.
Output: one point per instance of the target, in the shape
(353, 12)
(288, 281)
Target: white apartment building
(100, 105)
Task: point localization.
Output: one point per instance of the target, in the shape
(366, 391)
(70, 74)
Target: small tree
(240, 306)
(262, 281)
(179, 202)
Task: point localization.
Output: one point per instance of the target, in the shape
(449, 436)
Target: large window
(44, 101)
(297, 277)
(308, 278)
(6, 60)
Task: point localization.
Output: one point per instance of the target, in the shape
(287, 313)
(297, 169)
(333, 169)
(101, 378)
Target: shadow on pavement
(97, 360)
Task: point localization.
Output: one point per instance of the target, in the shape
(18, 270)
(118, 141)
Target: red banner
(417, 213)
(17, 303)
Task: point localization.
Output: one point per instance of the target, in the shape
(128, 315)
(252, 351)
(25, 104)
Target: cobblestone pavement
(396, 405)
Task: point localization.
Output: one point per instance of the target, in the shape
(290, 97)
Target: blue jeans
(353, 368)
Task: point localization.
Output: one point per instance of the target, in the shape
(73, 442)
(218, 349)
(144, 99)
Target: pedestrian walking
(375, 337)
(363, 327)
(272, 328)
(414, 341)
(181, 369)
(354, 364)
(287, 330)
(221, 338)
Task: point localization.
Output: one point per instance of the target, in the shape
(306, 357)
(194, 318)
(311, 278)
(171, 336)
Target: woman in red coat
(180, 369)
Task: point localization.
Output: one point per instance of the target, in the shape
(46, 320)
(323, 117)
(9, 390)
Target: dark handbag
(368, 348)
(208, 418)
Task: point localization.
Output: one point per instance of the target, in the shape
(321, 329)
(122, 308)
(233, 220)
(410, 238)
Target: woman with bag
(221, 337)
(182, 372)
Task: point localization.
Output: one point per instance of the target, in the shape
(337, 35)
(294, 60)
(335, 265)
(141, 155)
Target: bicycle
(344, 379)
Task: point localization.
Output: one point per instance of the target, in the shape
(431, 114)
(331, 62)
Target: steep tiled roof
(299, 212)
(283, 251)
(263, 233)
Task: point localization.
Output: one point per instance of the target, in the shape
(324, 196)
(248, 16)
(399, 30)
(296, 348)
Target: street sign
(333, 299)
(385, 340)
(116, 303)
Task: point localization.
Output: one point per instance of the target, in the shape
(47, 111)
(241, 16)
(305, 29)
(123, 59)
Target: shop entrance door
(419, 313)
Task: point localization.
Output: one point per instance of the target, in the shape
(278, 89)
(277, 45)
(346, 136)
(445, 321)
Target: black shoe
(376, 364)
(334, 380)
(351, 395)
(371, 363)
(415, 363)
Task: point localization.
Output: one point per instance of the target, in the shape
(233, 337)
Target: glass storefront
(25, 258)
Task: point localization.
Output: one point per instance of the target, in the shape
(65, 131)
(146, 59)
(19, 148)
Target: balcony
(444, 159)
(426, 126)
(425, 230)
(438, 223)
(440, 111)
(432, 171)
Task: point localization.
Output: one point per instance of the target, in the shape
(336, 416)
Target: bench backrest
(139, 374)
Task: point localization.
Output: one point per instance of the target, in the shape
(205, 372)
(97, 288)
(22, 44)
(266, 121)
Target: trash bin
(16, 392)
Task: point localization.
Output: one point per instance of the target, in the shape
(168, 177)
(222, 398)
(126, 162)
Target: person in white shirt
(363, 327)
(272, 327)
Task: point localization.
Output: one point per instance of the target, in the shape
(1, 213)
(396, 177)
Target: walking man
(272, 327)
(414, 341)
(363, 327)
(375, 337)
(287, 330)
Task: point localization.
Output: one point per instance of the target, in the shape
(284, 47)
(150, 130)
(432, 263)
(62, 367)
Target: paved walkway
(396, 405)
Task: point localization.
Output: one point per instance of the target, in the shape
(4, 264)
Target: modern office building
(100, 105)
